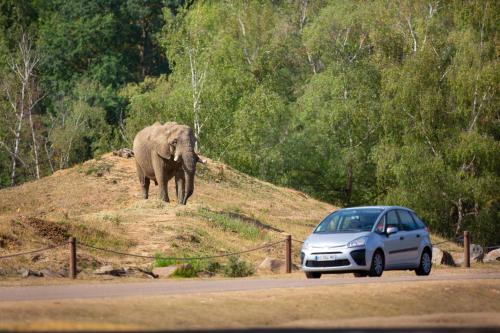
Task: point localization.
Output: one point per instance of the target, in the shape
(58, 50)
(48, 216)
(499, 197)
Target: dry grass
(446, 303)
(100, 202)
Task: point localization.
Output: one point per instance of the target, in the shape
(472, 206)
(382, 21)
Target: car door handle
(401, 238)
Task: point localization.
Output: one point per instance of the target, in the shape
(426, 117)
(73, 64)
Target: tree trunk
(196, 87)
(35, 147)
(15, 153)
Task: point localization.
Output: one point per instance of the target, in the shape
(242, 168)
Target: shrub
(161, 262)
(238, 268)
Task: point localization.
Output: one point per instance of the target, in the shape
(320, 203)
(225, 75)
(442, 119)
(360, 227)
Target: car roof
(377, 207)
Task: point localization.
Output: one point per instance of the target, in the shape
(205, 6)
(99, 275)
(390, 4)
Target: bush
(188, 269)
(238, 268)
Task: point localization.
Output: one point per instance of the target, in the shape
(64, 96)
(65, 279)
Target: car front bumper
(342, 259)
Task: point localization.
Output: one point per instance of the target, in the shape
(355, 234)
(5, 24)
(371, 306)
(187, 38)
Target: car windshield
(349, 220)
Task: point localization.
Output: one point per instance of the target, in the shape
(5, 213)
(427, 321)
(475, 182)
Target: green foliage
(160, 261)
(354, 102)
(80, 130)
(235, 267)
(190, 268)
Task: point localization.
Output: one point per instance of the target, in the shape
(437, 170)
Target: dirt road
(179, 287)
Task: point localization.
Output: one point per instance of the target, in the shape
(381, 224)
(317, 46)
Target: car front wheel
(313, 275)
(377, 266)
(425, 264)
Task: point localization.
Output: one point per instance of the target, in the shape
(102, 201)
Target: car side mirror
(392, 230)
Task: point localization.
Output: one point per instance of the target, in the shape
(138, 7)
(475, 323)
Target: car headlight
(361, 241)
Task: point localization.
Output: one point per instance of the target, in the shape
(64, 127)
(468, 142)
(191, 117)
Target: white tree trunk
(196, 89)
(23, 101)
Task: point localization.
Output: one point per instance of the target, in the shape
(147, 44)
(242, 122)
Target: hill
(99, 202)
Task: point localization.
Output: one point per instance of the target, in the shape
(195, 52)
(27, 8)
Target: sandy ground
(461, 303)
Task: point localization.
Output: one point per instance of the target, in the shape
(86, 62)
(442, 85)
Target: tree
(23, 95)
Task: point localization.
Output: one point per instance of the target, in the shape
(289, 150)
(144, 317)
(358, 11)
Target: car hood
(318, 241)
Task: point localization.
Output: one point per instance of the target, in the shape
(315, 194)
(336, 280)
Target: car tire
(425, 266)
(313, 275)
(360, 274)
(377, 265)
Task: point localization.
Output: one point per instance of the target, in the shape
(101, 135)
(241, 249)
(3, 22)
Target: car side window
(392, 219)
(418, 220)
(407, 223)
(380, 227)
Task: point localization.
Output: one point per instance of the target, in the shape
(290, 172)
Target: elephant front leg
(145, 187)
(163, 190)
(180, 186)
(161, 178)
(144, 182)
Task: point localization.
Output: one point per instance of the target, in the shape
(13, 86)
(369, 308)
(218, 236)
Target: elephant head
(175, 143)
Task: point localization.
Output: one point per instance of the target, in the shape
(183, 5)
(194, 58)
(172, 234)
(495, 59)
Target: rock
(272, 265)
(3, 272)
(26, 272)
(441, 257)
(205, 274)
(109, 270)
(106, 269)
(476, 253)
(164, 272)
(124, 152)
(50, 274)
(492, 256)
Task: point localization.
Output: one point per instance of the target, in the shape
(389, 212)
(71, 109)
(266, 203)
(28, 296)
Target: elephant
(165, 151)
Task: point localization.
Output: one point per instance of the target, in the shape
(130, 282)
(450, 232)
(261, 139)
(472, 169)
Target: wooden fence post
(288, 253)
(72, 258)
(466, 249)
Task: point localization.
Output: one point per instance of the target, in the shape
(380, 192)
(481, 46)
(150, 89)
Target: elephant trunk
(189, 166)
(189, 186)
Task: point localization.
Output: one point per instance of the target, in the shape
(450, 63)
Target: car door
(393, 243)
(412, 238)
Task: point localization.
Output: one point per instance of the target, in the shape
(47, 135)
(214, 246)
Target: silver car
(366, 241)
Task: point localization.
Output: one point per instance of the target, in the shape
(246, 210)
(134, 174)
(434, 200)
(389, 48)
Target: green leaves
(353, 102)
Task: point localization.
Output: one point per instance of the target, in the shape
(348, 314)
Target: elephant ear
(162, 142)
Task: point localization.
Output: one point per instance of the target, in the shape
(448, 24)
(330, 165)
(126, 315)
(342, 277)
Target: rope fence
(287, 241)
(33, 251)
(181, 258)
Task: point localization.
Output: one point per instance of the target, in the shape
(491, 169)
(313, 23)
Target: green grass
(188, 268)
(231, 224)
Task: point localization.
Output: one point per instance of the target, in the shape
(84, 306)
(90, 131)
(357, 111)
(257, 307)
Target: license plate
(325, 257)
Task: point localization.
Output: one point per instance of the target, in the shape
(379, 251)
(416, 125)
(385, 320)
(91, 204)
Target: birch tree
(23, 94)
